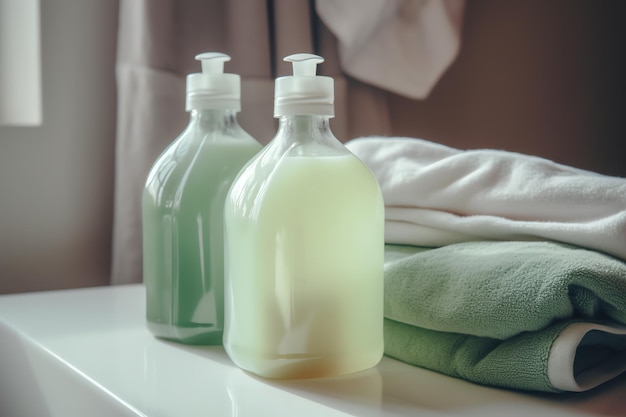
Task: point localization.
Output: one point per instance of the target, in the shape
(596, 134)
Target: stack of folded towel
(501, 268)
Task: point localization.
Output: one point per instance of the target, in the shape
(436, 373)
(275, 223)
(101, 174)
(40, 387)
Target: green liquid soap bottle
(304, 229)
(183, 210)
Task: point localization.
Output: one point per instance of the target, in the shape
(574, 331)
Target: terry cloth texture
(527, 315)
(436, 195)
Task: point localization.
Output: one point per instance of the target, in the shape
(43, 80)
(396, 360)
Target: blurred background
(541, 77)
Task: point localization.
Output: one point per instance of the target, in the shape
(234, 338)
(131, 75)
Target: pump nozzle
(304, 92)
(212, 62)
(212, 88)
(304, 64)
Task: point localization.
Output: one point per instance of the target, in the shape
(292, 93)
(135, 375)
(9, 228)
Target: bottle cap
(212, 89)
(304, 93)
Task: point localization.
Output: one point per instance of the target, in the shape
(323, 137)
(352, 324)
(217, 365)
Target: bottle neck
(305, 128)
(210, 119)
(307, 135)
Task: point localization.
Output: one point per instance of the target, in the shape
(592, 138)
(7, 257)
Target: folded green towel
(496, 313)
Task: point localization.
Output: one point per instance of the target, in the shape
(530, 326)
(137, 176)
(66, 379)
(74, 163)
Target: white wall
(56, 180)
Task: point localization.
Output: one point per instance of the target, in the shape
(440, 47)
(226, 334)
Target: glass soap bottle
(182, 210)
(304, 227)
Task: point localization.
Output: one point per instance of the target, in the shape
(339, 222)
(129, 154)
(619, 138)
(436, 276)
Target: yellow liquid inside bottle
(304, 278)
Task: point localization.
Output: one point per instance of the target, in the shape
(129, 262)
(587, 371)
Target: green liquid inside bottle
(183, 231)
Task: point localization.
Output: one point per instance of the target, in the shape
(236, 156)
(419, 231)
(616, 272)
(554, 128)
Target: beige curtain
(157, 42)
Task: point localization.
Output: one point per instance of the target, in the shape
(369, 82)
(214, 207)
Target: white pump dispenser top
(304, 93)
(212, 89)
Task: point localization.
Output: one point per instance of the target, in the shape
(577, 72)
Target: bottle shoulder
(197, 161)
(194, 141)
(291, 173)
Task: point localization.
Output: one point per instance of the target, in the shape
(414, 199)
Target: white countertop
(87, 352)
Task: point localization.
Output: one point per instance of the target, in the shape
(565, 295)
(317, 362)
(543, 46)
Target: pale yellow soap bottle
(304, 245)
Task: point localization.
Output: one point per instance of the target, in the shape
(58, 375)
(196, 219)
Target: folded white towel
(435, 195)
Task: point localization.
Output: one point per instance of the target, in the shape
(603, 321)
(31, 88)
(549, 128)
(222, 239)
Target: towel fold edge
(596, 338)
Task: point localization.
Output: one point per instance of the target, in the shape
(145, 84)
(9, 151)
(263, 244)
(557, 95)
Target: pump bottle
(182, 210)
(304, 245)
